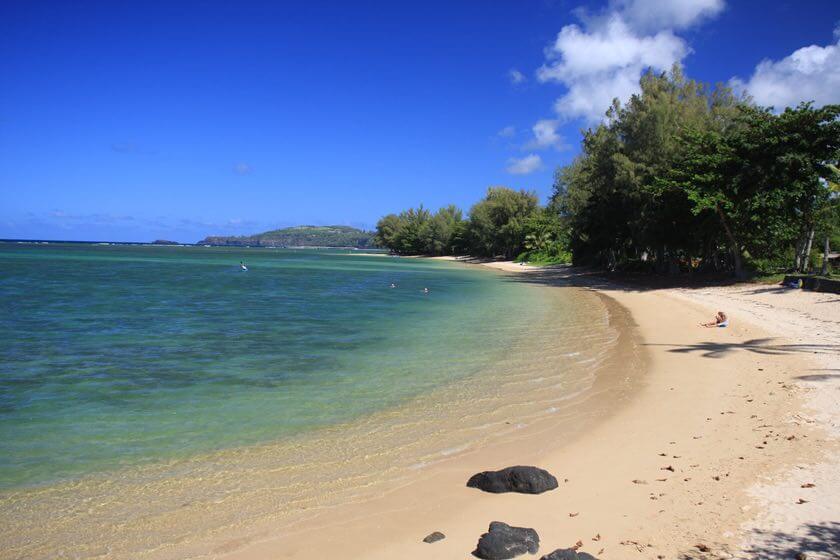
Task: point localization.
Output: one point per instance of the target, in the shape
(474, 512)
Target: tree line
(683, 177)
(505, 223)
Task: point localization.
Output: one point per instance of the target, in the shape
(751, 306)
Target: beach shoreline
(698, 464)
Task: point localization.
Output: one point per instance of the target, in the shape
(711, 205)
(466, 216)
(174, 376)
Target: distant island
(164, 242)
(298, 236)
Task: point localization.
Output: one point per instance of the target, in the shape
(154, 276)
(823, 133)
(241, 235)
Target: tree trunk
(806, 258)
(797, 255)
(826, 251)
(736, 247)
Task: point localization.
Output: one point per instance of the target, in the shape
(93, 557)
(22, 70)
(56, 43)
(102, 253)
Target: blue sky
(135, 121)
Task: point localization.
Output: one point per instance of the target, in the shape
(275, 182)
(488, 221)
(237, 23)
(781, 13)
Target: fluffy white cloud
(525, 165)
(515, 76)
(546, 136)
(651, 15)
(808, 74)
(605, 58)
(604, 63)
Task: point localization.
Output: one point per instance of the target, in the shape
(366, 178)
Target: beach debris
(524, 480)
(808, 485)
(575, 514)
(668, 468)
(801, 501)
(597, 537)
(501, 542)
(661, 480)
(639, 546)
(637, 481)
(434, 537)
(702, 547)
(568, 554)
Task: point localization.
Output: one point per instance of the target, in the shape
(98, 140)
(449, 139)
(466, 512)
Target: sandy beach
(727, 446)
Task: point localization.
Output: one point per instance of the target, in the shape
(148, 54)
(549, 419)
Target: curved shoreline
(712, 416)
(205, 505)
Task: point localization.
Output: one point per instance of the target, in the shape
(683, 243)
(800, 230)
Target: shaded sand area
(726, 447)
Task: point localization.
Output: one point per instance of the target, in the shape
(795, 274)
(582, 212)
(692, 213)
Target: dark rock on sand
(525, 480)
(434, 537)
(568, 554)
(502, 541)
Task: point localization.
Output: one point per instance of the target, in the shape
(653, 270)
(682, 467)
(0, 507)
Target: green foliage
(497, 223)
(300, 236)
(684, 177)
(681, 178)
(419, 232)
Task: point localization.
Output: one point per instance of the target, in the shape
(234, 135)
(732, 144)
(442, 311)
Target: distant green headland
(298, 236)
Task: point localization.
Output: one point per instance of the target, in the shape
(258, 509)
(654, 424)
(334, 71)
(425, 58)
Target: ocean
(152, 397)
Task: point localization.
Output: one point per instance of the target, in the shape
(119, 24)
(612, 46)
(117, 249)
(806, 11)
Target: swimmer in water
(425, 290)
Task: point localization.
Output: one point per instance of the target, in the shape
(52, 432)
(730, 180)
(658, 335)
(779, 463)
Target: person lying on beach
(721, 320)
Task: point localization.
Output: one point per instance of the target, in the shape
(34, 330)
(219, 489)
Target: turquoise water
(112, 356)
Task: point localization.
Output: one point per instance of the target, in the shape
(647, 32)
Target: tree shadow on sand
(815, 540)
(762, 346)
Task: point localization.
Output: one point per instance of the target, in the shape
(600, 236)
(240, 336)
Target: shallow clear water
(159, 403)
(110, 355)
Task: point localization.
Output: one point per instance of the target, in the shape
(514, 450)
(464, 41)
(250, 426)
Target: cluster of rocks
(503, 541)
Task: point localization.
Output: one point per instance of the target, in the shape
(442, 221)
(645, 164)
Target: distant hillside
(299, 236)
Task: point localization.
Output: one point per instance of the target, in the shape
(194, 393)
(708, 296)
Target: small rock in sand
(525, 480)
(502, 542)
(434, 537)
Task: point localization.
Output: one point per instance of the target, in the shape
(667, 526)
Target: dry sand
(713, 449)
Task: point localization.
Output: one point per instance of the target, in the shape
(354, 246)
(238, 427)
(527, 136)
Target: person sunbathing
(721, 320)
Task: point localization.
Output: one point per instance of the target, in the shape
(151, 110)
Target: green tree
(497, 223)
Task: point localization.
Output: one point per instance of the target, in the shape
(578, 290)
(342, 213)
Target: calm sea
(169, 377)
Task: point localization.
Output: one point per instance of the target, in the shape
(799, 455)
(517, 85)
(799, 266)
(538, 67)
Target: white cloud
(651, 15)
(242, 169)
(604, 59)
(546, 136)
(515, 76)
(603, 63)
(525, 165)
(507, 132)
(808, 74)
